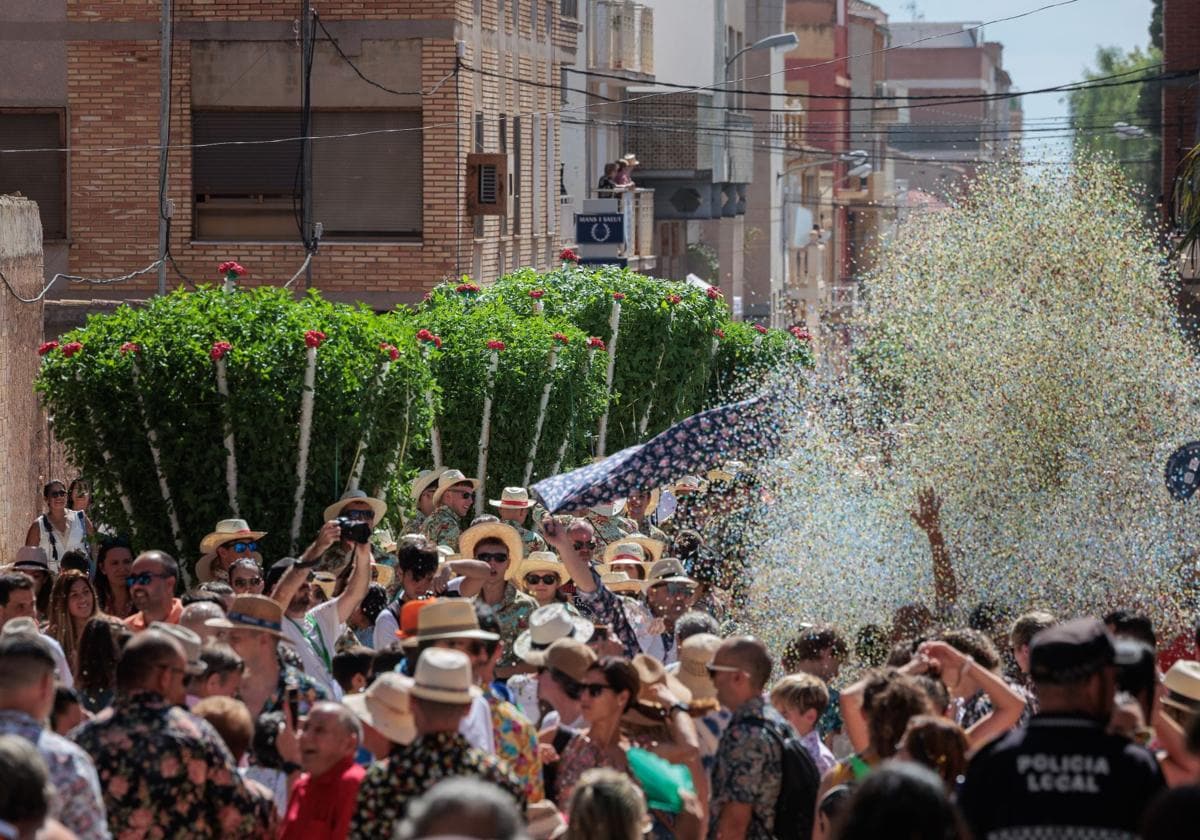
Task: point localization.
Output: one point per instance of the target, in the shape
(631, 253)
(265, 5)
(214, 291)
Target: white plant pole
(485, 433)
(230, 450)
(152, 438)
(360, 457)
(658, 369)
(435, 434)
(594, 344)
(614, 324)
(312, 340)
(542, 405)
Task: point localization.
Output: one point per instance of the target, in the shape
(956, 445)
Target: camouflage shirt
(443, 527)
(610, 529)
(415, 523)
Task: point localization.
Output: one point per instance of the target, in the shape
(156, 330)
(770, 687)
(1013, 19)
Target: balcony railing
(621, 38)
(637, 205)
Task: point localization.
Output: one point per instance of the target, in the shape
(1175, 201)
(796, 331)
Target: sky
(1051, 47)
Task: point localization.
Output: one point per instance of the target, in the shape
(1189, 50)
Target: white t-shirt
(476, 727)
(386, 627)
(315, 638)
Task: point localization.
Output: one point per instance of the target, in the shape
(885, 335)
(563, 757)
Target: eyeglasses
(548, 579)
(144, 578)
(243, 547)
(714, 669)
(590, 545)
(57, 494)
(595, 689)
(250, 581)
(492, 557)
(358, 515)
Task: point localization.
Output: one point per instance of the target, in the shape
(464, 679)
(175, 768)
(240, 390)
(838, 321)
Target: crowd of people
(584, 674)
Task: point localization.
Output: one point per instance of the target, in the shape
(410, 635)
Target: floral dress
(516, 744)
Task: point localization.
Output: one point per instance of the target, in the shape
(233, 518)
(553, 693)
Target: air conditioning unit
(488, 187)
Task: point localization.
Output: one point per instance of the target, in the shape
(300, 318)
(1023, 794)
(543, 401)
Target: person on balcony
(606, 180)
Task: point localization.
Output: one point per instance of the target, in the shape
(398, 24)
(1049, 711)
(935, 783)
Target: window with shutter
(39, 176)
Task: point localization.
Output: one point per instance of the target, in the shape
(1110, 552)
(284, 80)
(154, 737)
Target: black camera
(354, 530)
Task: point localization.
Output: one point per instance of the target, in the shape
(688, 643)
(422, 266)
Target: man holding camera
(314, 630)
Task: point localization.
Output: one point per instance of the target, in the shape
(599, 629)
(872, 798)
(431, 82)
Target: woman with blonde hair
(607, 805)
(72, 603)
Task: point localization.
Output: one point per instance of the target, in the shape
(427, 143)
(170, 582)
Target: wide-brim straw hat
(652, 549)
(624, 567)
(667, 570)
(253, 612)
(541, 561)
(652, 672)
(613, 508)
(513, 498)
(382, 573)
(450, 618)
(384, 706)
(1182, 683)
(228, 530)
(550, 623)
(621, 582)
(448, 479)
(631, 159)
(335, 510)
(694, 655)
(500, 531)
(424, 479)
(444, 675)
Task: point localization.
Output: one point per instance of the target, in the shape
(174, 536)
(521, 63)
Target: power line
(338, 47)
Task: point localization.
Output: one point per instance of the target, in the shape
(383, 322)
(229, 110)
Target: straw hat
(610, 509)
(423, 480)
(687, 484)
(570, 656)
(253, 612)
(407, 634)
(541, 561)
(652, 672)
(507, 534)
(335, 510)
(621, 582)
(632, 569)
(450, 618)
(227, 530)
(668, 570)
(444, 675)
(31, 558)
(447, 480)
(382, 574)
(544, 820)
(1182, 683)
(636, 547)
(513, 498)
(694, 655)
(189, 641)
(385, 707)
(631, 159)
(550, 623)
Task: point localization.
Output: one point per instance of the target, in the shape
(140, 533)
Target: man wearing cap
(26, 698)
(452, 501)
(1063, 774)
(513, 508)
(255, 628)
(498, 545)
(163, 771)
(423, 488)
(441, 694)
(18, 612)
(151, 582)
(231, 540)
(321, 801)
(561, 668)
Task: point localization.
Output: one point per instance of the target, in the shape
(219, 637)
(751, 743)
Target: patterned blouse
(516, 744)
(167, 774)
(604, 606)
(411, 770)
(443, 527)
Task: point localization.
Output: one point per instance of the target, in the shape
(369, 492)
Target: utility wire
(372, 82)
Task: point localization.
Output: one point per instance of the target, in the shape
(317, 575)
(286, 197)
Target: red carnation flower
(130, 347)
(313, 338)
(390, 349)
(71, 348)
(437, 342)
(536, 294)
(713, 293)
(596, 343)
(466, 288)
(495, 345)
(47, 347)
(424, 335)
(801, 334)
(719, 333)
(673, 299)
(618, 296)
(230, 267)
(568, 255)
(760, 328)
(219, 349)
(561, 338)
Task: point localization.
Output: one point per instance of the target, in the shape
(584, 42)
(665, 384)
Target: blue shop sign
(600, 228)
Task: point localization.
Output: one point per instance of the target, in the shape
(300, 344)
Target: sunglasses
(243, 547)
(590, 545)
(250, 581)
(675, 589)
(144, 578)
(714, 669)
(595, 689)
(466, 494)
(57, 494)
(356, 515)
(548, 579)
(492, 557)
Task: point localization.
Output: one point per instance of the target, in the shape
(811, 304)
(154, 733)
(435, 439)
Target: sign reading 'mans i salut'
(600, 228)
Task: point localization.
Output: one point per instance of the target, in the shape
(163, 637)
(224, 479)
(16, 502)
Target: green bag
(660, 780)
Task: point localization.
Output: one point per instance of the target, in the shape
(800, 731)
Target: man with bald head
(322, 800)
(152, 579)
(748, 768)
(195, 617)
(150, 752)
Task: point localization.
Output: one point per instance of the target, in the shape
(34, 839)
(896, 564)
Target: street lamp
(778, 41)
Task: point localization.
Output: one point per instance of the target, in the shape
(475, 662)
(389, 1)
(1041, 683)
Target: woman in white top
(59, 530)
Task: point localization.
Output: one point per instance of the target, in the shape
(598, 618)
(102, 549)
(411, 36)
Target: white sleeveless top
(56, 543)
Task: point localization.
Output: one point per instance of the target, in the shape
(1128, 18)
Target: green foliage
(669, 365)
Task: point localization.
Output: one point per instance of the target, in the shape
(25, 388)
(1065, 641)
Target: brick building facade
(86, 76)
(1180, 100)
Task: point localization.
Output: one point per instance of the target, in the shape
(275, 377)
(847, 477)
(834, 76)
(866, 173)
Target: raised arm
(563, 541)
(357, 585)
(1007, 705)
(928, 517)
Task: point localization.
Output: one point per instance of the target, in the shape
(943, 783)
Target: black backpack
(796, 806)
